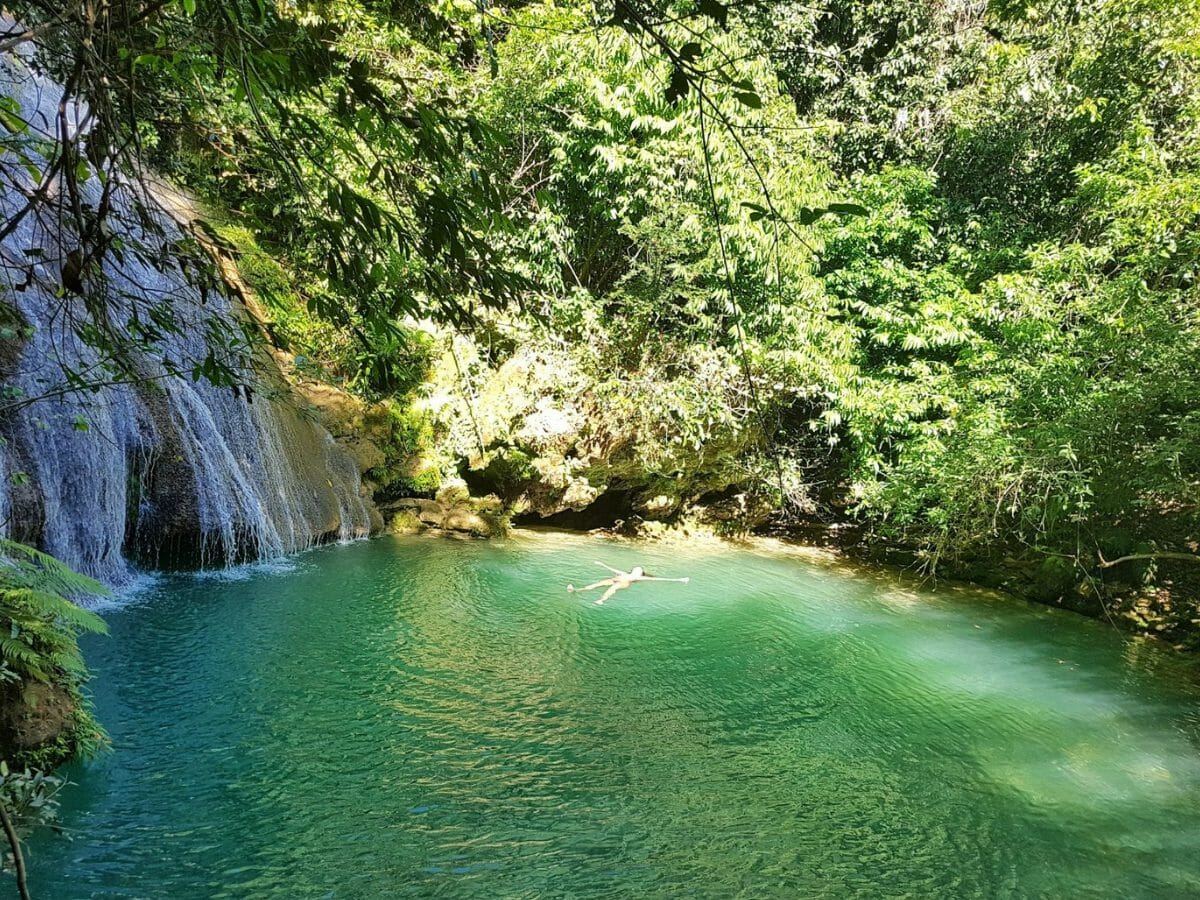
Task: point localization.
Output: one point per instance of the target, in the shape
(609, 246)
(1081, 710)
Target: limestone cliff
(547, 438)
(105, 467)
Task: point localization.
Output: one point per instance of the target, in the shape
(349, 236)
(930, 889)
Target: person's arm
(607, 566)
(652, 578)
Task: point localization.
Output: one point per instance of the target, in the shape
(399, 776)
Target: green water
(435, 718)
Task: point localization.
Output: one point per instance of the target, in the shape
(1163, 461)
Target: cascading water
(160, 469)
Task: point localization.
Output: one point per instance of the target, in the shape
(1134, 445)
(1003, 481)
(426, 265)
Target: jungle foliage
(947, 250)
(929, 265)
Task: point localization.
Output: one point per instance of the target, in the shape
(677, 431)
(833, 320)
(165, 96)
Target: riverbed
(431, 717)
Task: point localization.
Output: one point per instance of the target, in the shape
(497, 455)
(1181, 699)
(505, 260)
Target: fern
(39, 623)
(25, 566)
(22, 657)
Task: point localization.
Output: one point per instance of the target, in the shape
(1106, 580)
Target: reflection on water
(438, 718)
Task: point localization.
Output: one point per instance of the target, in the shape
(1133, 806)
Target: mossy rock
(44, 725)
(508, 471)
(406, 521)
(426, 480)
(489, 504)
(453, 492)
(1053, 579)
(468, 521)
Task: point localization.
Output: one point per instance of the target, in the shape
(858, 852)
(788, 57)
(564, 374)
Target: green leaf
(748, 98)
(10, 116)
(715, 10)
(679, 86)
(623, 18)
(758, 212)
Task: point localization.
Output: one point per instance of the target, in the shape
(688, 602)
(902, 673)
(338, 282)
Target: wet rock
(366, 453)
(168, 470)
(341, 413)
(468, 521)
(375, 516)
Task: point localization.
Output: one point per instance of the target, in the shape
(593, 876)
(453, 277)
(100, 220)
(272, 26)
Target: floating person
(620, 580)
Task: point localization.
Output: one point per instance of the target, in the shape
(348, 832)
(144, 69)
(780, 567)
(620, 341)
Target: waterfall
(160, 470)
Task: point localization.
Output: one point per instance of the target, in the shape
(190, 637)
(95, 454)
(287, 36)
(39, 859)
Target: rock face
(555, 444)
(453, 510)
(173, 471)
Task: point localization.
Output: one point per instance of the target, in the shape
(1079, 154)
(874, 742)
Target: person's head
(638, 572)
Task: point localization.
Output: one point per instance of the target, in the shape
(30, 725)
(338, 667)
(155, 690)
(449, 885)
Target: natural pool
(427, 717)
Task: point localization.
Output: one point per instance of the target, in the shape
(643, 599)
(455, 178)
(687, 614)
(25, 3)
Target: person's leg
(612, 590)
(591, 587)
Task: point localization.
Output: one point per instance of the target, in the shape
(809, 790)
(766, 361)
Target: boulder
(428, 512)
(743, 510)
(468, 521)
(453, 492)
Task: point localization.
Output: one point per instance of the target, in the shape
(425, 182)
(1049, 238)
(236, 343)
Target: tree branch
(1185, 557)
(18, 859)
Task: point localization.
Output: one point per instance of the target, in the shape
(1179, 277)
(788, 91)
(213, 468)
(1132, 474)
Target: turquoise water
(435, 718)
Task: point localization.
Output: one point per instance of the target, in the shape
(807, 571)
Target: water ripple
(442, 719)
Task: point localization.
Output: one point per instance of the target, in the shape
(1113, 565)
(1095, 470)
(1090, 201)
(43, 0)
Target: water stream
(165, 470)
(427, 717)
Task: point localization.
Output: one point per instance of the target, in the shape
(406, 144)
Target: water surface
(428, 717)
